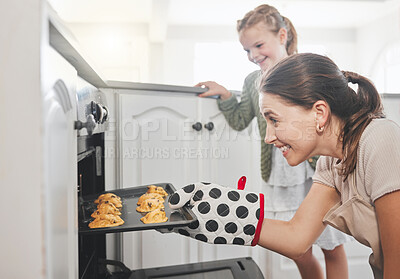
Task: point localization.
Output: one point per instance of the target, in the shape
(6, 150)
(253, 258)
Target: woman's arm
(293, 238)
(388, 214)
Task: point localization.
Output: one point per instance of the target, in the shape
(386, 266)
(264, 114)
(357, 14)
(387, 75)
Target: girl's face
(264, 47)
(290, 128)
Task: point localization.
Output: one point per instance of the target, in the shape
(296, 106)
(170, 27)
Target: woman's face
(290, 128)
(264, 47)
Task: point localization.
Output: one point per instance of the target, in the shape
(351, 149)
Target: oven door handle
(104, 262)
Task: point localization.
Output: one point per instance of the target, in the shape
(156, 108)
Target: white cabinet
(157, 139)
(158, 143)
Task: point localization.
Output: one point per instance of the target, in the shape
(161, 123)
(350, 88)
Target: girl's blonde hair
(270, 16)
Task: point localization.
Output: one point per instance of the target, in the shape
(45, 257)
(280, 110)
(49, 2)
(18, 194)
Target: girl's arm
(240, 114)
(388, 214)
(214, 89)
(293, 238)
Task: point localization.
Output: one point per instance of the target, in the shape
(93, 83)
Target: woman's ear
(282, 33)
(321, 110)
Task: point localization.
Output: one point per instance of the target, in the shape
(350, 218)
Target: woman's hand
(214, 89)
(224, 215)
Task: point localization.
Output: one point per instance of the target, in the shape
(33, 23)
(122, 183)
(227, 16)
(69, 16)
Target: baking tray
(129, 197)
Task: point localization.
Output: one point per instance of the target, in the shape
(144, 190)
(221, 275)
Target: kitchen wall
(373, 40)
(120, 51)
(131, 56)
(125, 52)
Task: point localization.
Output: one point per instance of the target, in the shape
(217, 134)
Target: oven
(91, 124)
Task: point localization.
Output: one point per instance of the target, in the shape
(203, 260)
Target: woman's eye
(274, 121)
(259, 45)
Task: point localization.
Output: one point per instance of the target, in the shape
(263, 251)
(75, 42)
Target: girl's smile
(264, 47)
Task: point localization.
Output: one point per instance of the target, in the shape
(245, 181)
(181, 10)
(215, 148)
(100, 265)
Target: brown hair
(303, 79)
(270, 16)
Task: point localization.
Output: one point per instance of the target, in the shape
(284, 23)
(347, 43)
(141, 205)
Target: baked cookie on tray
(156, 189)
(150, 205)
(155, 216)
(106, 220)
(147, 196)
(109, 198)
(106, 208)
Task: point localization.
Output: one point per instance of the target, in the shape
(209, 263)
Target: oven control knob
(97, 111)
(90, 124)
(105, 114)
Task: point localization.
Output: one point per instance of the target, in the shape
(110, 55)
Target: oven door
(59, 147)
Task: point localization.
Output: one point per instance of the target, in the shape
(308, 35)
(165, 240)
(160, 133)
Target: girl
(267, 37)
(310, 110)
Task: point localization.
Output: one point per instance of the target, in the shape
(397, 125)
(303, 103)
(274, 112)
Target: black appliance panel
(91, 180)
(238, 268)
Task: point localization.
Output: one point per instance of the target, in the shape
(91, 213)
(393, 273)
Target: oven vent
(61, 92)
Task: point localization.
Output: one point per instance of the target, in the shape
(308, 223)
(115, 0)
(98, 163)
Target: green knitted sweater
(240, 114)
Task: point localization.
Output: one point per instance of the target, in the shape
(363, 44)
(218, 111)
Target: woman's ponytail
(367, 105)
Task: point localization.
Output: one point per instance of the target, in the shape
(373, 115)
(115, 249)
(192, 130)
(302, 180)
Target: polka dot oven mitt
(224, 215)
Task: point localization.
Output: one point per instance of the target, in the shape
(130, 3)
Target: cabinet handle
(209, 126)
(197, 126)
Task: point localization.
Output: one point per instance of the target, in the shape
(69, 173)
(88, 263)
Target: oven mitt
(224, 215)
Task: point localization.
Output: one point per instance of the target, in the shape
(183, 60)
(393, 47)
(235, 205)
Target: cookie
(146, 196)
(156, 189)
(114, 199)
(106, 220)
(106, 208)
(150, 205)
(155, 216)
(109, 197)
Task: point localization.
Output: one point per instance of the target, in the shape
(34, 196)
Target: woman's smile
(288, 128)
(285, 149)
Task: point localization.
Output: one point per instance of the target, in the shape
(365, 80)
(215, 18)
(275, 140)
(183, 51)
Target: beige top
(377, 173)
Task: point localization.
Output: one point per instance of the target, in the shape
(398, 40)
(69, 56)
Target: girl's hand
(214, 89)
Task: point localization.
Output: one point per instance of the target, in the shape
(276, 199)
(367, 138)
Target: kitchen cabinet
(179, 138)
(391, 104)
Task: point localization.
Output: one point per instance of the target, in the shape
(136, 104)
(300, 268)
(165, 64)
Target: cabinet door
(230, 152)
(157, 144)
(157, 139)
(229, 155)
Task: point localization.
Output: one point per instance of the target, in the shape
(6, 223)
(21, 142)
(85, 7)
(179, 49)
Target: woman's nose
(270, 136)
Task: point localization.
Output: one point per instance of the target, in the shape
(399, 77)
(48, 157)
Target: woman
(268, 37)
(310, 110)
